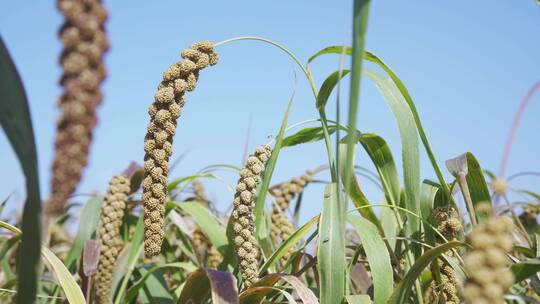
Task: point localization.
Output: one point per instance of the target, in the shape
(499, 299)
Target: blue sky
(467, 65)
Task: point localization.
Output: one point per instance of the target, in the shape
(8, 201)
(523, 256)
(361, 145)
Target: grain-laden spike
(448, 225)
(487, 263)
(169, 100)
(282, 227)
(108, 233)
(243, 214)
(85, 42)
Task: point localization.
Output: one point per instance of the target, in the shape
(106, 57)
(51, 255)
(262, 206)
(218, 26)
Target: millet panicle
(178, 79)
(487, 263)
(108, 233)
(446, 220)
(282, 226)
(85, 42)
(243, 214)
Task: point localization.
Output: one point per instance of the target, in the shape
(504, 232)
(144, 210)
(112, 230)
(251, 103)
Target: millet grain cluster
(282, 227)
(448, 224)
(487, 263)
(243, 214)
(108, 233)
(178, 79)
(85, 42)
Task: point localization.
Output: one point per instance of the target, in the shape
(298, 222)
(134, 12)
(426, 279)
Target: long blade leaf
(17, 124)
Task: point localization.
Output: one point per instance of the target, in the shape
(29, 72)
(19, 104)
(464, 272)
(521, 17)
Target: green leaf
(260, 225)
(358, 299)
(328, 86)
(525, 269)
(377, 256)
(72, 291)
(288, 244)
(476, 183)
(134, 252)
(382, 158)
(428, 201)
(155, 288)
(402, 290)
(17, 124)
(403, 90)
(307, 135)
(409, 143)
(202, 283)
(355, 193)
(390, 225)
(208, 223)
(89, 218)
(134, 289)
(331, 250)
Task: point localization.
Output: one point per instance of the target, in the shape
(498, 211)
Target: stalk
(314, 89)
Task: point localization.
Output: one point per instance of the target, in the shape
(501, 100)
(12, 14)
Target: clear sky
(467, 65)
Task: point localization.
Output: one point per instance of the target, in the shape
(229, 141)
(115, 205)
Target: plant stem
(360, 20)
(311, 81)
(513, 131)
(462, 181)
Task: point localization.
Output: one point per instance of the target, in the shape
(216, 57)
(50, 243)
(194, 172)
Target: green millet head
(487, 263)
(243, 217)
(108, 233)
(169, 100)
(282, 227)
(447, 221)
(85, 43)
(285, 192)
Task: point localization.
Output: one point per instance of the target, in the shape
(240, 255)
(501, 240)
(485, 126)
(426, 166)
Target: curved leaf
(401, 86)
(382, 158)
(16, 122)
(89, 218)
(409, 142)
(208, 223)
(377, 256)
(72, 291)
(525, 269)
(355, 193)
(261, 230)
(307, 135)
(134, 289)
(288, 244)
(328, 86)
(474, 176)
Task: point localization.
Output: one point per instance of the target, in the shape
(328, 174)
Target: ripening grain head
(85, 42)
(108, 233)
(243, 214)
(487, 263)
(169, 100)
